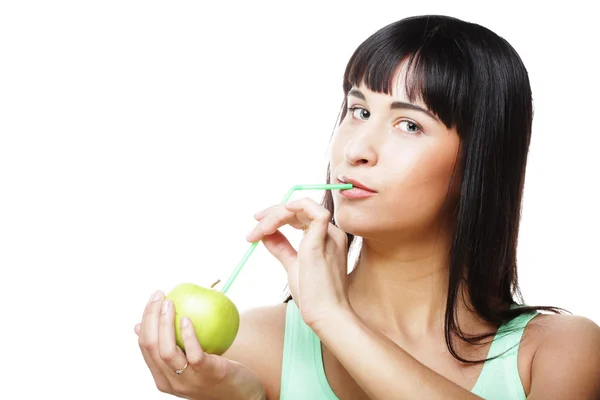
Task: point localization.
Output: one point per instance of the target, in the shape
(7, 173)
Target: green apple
(215, 318)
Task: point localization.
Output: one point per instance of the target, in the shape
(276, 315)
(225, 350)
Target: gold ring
(304, 227)
(179, 371)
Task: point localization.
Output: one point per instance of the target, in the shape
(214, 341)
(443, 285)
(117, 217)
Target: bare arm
(375, 362)
(259, 345)
(566, 365)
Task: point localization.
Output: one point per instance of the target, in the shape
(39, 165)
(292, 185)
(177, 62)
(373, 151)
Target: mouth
(355, 183)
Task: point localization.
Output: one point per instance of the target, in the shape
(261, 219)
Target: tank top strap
(302, 375)
(499, 378)
(510, 334)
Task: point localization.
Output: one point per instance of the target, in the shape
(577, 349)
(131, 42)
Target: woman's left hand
(317, 272)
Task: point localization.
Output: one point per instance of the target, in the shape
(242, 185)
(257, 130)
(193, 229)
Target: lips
(355, 183)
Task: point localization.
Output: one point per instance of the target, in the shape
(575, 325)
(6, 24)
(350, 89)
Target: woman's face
(406, 155)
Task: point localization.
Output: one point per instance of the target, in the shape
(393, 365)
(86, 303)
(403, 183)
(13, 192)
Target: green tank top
(303, 375)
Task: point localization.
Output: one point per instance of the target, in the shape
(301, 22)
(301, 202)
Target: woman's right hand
(206, 376)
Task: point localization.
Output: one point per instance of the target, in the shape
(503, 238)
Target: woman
(434, 134)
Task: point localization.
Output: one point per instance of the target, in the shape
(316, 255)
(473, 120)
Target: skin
(388, 311)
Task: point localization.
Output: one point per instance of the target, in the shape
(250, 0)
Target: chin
(356, 224)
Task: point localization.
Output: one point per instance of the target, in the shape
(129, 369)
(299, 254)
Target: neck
(401, 288)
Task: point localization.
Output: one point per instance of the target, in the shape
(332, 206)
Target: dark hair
(474, 81)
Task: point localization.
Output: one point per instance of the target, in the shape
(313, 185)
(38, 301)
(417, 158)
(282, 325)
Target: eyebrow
(396, 105)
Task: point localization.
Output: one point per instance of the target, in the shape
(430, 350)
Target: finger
(259, 215)
(210, 365)
(193, 350)
(148, 338)
(168, 350)
(137, 328)
(281, 248)
(272, 221)
(319, 218)
(339, 237)
(146, 343)
(149, 328)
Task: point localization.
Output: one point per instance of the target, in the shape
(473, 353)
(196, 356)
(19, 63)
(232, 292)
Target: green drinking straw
(285, 198)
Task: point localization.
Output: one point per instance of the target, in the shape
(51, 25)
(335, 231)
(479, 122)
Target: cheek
(418, 183)
(418, 164)
(433, 171)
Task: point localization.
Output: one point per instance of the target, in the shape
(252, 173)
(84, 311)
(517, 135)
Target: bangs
(435, 67)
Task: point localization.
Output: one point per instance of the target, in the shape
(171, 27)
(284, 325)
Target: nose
(361, 149)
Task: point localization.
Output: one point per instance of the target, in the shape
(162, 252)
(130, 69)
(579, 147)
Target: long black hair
(474, 81)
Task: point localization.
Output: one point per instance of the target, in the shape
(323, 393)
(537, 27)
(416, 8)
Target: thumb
(279, 246)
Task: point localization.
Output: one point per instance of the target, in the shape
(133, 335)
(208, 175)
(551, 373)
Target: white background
(139, 137)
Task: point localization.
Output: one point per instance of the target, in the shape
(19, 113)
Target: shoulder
(556, 324)
(566, 359)
(570, 331)
(259, 344)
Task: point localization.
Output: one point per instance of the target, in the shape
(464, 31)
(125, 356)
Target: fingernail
(249, 234)
(165, 307)
(185, 322)
(156, 295)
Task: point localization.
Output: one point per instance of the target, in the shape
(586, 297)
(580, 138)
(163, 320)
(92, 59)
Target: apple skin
(214, 316)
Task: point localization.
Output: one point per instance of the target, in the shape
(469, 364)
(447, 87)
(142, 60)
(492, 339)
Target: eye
(359, 113)
(409, 126)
